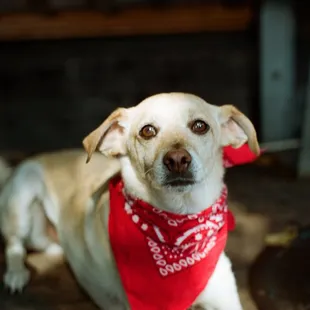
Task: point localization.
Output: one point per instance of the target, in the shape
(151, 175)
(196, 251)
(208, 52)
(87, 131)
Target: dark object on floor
(279, 279)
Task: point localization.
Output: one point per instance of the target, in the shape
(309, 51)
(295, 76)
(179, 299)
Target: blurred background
(66, 64)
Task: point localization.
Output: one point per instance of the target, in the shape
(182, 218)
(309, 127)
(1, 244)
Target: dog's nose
(177, 160)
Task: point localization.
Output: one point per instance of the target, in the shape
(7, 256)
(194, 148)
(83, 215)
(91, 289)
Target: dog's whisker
(148, 171)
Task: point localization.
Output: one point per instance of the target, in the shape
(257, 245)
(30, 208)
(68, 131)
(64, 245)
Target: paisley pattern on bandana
(175, 241)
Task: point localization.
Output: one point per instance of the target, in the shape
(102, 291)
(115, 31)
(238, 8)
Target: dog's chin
(180, 188)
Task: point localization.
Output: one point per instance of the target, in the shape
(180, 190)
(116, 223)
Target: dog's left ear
(237, 129)
(109, 137)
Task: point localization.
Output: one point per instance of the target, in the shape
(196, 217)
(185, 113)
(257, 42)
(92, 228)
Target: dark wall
(53, 93)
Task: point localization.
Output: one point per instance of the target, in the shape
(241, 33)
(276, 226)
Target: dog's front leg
(221, 292)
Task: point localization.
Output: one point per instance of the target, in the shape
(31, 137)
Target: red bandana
(233, 157)
(161, 256)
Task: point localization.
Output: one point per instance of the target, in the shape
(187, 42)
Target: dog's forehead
(173, 106)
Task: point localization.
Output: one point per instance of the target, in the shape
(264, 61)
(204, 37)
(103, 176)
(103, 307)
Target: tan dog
(169, 149)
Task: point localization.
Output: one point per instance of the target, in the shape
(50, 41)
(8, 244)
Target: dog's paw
(15, 281)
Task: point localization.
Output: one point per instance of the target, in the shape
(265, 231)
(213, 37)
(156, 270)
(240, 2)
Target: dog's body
(34, 196)
(169, 152)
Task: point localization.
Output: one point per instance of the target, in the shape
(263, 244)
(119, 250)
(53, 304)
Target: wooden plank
(139, 21)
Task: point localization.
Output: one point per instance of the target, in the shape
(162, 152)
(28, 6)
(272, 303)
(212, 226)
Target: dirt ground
(263, 200)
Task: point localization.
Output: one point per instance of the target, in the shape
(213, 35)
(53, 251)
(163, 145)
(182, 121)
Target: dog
(169, 151)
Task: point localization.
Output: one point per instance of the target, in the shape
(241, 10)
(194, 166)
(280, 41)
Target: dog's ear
(237, 129)
(109, 137)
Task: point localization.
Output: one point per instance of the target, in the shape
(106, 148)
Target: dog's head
(172, 141)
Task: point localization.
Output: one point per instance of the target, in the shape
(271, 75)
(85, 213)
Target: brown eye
(148, 132)
(199, 127)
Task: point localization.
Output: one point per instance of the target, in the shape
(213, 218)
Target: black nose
(177, 160)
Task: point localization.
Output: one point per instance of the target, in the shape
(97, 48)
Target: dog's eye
(148, 132)
(199, 127)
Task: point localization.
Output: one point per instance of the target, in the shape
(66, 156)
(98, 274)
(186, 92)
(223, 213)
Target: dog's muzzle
(177, 163)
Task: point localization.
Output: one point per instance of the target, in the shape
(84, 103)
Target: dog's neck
(202, 196)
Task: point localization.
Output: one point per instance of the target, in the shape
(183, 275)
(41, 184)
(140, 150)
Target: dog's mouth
(180, 180)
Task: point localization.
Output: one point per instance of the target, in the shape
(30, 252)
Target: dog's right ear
(109, 137)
